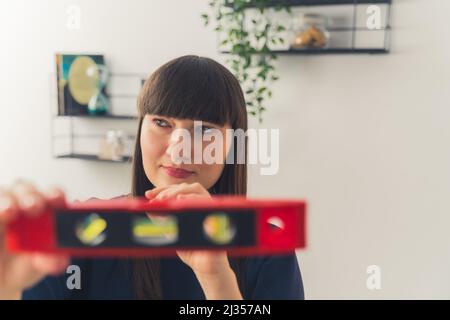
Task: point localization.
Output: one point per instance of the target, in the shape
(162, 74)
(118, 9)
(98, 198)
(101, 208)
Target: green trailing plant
(247, 40)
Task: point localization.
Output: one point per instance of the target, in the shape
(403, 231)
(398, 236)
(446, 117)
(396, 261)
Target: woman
(179, 93)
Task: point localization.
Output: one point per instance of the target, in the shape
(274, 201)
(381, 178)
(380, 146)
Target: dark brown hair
(197, 88)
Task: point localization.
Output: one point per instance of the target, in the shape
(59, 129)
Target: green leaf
(205, 19)
(262, 74)
(248, 61)
(238, 5)
(261, 90)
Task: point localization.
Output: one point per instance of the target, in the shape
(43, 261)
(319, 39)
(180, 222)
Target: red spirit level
(137, 227)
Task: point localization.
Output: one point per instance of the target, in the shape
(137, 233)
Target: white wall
(363, 138)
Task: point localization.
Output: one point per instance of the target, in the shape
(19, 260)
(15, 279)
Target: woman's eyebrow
(218, 125)
(204, 123)
(166, 118)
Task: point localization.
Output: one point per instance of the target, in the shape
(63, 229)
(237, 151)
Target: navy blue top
(268, 277)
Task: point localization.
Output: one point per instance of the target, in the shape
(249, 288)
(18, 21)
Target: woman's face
(161, 144)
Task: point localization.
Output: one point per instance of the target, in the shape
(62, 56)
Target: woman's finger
(56, 197)
(182, 189)
(150, 194)
(190, 196)
(30, 200)
(9, 207)
(173, 191)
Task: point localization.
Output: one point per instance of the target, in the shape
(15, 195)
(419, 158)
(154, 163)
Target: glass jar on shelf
(112, 146)
(309, 31)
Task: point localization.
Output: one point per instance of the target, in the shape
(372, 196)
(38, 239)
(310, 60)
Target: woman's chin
(168, 180)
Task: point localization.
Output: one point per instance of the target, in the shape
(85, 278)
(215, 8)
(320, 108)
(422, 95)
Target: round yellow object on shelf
(83, 79)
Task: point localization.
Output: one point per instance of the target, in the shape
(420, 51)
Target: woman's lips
(177, 172)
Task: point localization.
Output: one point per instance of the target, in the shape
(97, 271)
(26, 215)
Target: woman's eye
(207, 130)
(161, 123)
(204, 130)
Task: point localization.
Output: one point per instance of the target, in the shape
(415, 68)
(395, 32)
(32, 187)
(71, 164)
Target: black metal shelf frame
(306, 3)
(353, 29)
(71, 154)
(91, 157)
(71, 136)
(97, 117)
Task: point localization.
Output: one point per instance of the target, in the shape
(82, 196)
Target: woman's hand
(19, 272)
(201, 262)
(178, 191)
(212, 268)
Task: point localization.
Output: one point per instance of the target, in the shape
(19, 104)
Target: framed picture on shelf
(81, 83)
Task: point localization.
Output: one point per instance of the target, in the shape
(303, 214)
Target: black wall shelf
(331, 51)
(305, 3)
(353, 31)
(91, 157)
(103, 116)
(71, 136)
(71, 142)
(326, 51)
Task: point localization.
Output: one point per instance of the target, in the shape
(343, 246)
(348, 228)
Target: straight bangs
(193, 88)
